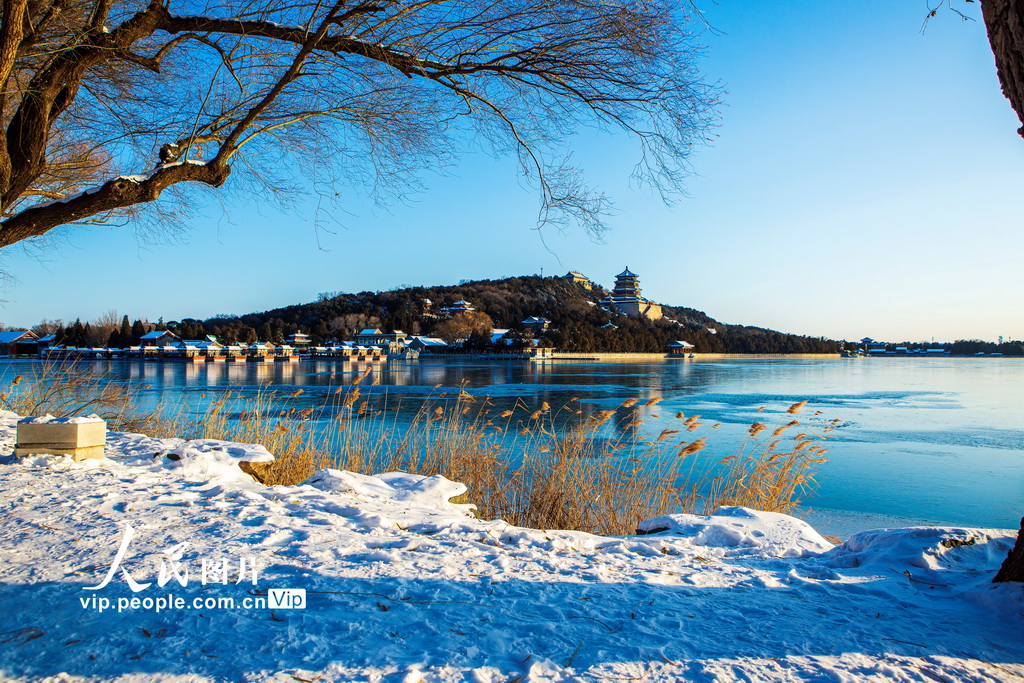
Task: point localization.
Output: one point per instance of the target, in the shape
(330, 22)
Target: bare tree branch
(363, 92)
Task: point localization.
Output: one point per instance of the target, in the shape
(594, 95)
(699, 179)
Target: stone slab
(76, 453)
(63, 435)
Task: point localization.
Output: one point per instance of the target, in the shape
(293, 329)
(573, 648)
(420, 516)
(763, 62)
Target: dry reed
(541, 468)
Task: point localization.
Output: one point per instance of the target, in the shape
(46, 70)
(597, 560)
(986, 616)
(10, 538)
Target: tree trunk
(1004, 22)
(1013, 565)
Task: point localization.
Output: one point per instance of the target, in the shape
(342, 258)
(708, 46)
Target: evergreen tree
(138, 329)
(76, 336)
(122, 337)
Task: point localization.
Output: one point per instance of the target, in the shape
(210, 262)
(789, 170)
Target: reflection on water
(937, 439)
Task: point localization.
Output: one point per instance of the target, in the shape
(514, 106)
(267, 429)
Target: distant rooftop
(11, 337)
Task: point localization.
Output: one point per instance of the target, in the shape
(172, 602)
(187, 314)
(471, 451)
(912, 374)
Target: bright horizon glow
(864, 182)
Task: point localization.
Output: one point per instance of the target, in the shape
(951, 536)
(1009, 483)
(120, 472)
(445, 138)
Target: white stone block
(78, 437)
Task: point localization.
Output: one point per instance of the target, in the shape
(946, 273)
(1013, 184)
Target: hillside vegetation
(577, 321)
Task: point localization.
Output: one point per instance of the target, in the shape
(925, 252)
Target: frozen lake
(933, 440)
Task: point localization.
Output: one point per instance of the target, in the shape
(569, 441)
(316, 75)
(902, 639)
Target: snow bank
(414, 490)
(401, 584)
(933, 549)
(743, 531)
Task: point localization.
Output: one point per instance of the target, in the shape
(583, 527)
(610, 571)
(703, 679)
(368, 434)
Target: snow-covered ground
(402, 585)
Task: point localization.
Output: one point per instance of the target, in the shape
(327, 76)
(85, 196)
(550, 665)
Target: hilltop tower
(627, 286)
(626, 297)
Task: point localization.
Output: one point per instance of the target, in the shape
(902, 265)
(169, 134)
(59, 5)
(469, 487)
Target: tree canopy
(107, 104)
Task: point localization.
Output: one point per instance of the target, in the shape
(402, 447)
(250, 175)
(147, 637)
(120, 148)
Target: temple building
(578, 278)
(626, 297)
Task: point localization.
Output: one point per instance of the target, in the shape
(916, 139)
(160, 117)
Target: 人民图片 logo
(174, 568)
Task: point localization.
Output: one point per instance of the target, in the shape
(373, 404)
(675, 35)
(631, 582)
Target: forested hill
(578, 323)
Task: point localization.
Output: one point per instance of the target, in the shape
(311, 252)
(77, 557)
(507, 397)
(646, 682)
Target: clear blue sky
(866, 181)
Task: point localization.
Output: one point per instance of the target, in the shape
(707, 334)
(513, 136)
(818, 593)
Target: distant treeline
(965, 347)
(100, 333)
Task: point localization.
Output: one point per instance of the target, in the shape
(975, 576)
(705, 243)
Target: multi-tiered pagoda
(627, 299)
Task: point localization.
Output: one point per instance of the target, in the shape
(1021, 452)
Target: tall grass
(65, 389)
(543, 468)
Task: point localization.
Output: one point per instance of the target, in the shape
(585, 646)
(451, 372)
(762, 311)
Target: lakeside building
(374, 337)
(426, 344)
(159, 338)
(18, 343)
(626, 298)
(680, 348)
(300, 339)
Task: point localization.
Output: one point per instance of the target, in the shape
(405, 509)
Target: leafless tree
(101, 328)
(108, 103)
(46, 327)
(464, 325)
(351, 324)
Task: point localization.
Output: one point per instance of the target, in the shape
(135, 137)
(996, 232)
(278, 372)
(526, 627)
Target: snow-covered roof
(431, 341)
(201, 343)
(680, 344)
(368, 332)
(11, 337)
(158, 334)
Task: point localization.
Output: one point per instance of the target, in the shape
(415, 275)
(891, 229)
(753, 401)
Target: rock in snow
(403, 585)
